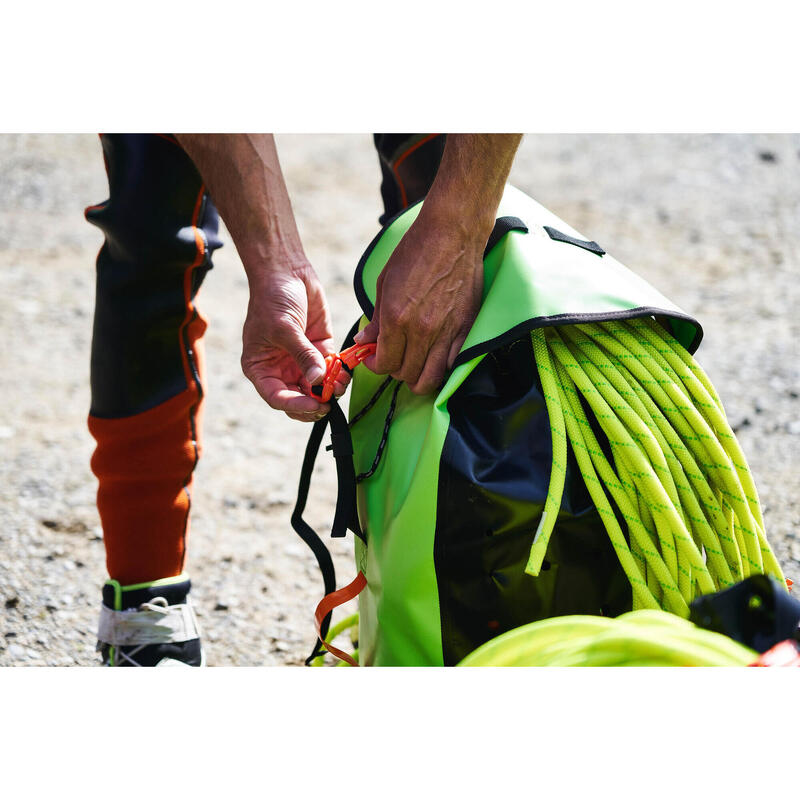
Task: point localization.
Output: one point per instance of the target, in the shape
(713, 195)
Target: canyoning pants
(147, 372)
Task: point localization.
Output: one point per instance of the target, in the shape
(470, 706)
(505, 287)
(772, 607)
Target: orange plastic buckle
(350, 357)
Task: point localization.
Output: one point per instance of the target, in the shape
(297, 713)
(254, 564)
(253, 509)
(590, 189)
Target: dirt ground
(711, 220)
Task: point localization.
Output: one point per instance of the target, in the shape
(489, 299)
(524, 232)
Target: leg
(147, 366)
(408, 166)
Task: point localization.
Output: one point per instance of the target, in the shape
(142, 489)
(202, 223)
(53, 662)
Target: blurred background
(711, 220)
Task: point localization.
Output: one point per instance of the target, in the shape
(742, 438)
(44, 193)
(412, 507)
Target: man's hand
(428, 296)
(286, 330)
(429, 292)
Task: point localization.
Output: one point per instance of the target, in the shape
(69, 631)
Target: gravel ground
(711, 220)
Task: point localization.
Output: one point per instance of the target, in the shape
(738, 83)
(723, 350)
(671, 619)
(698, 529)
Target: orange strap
(331, 601)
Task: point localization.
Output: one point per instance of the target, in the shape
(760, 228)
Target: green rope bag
(644, 638)
(669, 470)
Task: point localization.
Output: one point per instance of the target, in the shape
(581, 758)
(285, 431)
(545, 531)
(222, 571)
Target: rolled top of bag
(538, 271)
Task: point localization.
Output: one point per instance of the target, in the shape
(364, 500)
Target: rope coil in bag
(669, 467)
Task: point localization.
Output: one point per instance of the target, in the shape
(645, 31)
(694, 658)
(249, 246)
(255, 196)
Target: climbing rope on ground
(644, 638)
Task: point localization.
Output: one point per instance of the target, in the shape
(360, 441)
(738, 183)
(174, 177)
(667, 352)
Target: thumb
(306, 356)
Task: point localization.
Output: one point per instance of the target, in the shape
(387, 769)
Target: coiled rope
(642, 638)
(669, 468)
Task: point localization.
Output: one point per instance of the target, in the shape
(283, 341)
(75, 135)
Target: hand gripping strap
(323, 613)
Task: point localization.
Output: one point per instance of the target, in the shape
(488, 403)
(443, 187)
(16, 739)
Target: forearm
(243, 176)
(470, 181)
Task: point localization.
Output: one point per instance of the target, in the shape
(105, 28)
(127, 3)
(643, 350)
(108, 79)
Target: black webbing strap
(346, 515)
(306, 532)
(501, 227)
(558, 236)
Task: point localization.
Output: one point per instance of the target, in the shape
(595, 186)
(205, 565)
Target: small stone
(793, 427)
(12, 602)
(221, 607)
(6, 432)
(281, 647)
(776, 384)
(768, 156)
(17, 652)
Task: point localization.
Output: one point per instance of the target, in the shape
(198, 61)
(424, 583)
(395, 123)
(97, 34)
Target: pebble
(793, 427)
(17, 652)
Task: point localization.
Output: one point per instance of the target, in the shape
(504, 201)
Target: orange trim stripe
(187, 284)
(403, 196)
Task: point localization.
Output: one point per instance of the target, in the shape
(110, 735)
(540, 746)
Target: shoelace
(158, 605)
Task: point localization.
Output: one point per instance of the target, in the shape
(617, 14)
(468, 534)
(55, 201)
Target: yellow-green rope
(676, 474)
(636, 639)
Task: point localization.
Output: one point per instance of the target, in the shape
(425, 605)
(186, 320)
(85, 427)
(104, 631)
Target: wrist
(264, 259)
(468, 223)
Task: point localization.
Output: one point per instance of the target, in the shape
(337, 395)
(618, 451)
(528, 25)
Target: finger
(305, 355)
(420, 341)
(369, 333)
(455, 347)
(340, 386)
(388, 357)
(433, 371)
(286, 398)
(306, 417)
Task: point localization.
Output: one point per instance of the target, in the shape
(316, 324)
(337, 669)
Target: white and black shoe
(149, 625)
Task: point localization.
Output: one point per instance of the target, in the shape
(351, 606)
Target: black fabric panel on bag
(493, 479)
